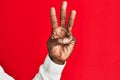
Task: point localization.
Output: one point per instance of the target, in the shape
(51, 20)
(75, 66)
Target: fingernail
(74, 11)
(52, 11)
(64, 4)
(65, 40)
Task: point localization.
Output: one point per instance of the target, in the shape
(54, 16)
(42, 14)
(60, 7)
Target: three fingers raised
(62, 17)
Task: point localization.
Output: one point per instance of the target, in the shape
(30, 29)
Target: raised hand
(61, 41)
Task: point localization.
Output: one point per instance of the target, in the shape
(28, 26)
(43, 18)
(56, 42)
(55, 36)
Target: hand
(61, 41)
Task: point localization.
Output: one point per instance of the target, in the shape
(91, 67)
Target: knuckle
(71, 19)
(54, 21)
(69, 24)
(63, 18)
(73, 39)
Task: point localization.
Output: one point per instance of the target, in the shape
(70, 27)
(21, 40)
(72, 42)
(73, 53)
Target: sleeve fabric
(4, 76)
(49, 70)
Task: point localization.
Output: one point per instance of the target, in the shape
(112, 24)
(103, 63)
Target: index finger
(53, 18)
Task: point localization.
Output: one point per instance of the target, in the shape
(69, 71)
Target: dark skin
(61, 42)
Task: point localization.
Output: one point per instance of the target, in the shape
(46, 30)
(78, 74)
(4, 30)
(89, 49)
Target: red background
(25, 28)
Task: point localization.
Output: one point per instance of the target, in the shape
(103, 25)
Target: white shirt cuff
(49, 70)
(52, 67)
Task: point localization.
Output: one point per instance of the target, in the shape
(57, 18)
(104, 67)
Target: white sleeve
(4, 76)
(49, 71)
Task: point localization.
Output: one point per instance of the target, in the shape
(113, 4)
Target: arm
(4, 76)
(60, 46)
(49, 70)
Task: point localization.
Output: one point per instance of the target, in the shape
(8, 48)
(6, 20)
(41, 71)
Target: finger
(55, 36)
(72, 44)
(71, 20)
(53, 18)
(63, 41)
(63, 13)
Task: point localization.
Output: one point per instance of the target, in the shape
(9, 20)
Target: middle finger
(63, 13)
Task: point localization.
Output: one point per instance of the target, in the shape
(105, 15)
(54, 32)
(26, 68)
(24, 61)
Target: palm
(58, 49)
(61, 42)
